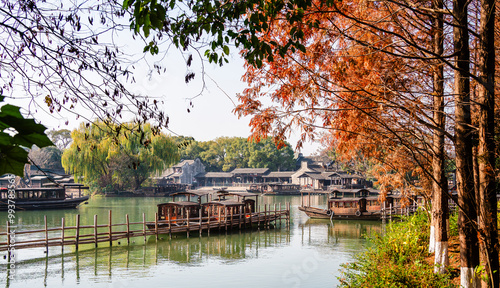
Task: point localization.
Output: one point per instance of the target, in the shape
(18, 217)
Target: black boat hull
(19, 204)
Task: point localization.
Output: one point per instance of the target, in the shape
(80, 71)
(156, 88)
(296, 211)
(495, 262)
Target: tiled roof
(216, 175)
(182, 163)
(279, 174)
(250, 170)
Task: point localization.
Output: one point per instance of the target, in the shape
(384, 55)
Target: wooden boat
(282, 189)
(176, 210)
(365, 208)
(226, 206)
(38, 199)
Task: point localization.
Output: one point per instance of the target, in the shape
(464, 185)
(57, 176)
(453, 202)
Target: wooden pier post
(77, 236)
(144, 226)
(95, 230)
(208, 221)
(231, 218)
(245, 225)
(128, 229)
(218, 218)
(62, 234)
(275, 214)
(265, 216)
(288, 214)
(8, 242)
(200, 222)
(239, 219)
(281, 213)
(110, 230)
(225, 218)
(46, 235)
(258, 218)
(187, 217)
(169, 224)
(383, 212)
(390, 212)
(156, 225)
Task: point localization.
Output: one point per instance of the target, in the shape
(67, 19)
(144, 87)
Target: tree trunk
(486, 150)
(440, 185)
(469, 250)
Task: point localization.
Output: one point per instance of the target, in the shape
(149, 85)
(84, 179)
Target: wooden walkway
(98, 233)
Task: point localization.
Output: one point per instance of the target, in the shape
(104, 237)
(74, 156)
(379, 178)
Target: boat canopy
(228, 202)
(180, 203)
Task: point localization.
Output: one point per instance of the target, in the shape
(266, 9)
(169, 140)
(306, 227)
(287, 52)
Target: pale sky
(211, 116)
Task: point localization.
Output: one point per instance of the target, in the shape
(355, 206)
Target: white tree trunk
(441, 259)
(468, 279)
(432, 240)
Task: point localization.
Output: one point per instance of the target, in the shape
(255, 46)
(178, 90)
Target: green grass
(396, 259)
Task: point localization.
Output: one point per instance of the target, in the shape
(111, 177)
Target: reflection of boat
(345, 229)
(38, 198)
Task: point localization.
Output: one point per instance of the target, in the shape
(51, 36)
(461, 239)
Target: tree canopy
(228, 153)
(111, 159)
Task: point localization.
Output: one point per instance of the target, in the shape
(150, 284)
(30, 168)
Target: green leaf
(28, 140)
(12, 160)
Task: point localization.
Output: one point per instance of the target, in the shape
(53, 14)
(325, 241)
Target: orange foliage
(362, 85)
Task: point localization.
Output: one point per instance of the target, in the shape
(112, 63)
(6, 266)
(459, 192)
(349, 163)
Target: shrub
(396, 259)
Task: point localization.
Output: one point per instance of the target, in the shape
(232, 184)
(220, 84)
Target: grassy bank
(399, 258)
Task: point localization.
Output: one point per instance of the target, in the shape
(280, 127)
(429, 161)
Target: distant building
(215, 179)
(322, 177)
(182, 173)
(250, 175)
(315, 173)
(283, 177)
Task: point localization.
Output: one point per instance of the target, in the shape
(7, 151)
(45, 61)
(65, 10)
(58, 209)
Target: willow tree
(109, 157)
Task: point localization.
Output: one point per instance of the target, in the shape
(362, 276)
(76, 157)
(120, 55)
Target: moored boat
(363, 208)
(177, 212)
(228, 209)
(38, 199)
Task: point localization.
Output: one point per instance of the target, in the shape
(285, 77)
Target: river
(308, 254)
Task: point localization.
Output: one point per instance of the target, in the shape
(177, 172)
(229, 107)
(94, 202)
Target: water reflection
(228, 248)
(308, 254)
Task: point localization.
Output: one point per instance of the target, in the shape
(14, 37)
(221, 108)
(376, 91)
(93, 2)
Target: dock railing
(389, 212)
(95, 233)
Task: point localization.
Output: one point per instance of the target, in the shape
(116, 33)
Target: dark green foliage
(16, 135)
(227, 153)
(396, 259)
(223, 22)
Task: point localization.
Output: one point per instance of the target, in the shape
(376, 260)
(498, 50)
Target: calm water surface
(309, 254)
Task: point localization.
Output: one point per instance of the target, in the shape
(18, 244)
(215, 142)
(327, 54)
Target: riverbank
(400, 258)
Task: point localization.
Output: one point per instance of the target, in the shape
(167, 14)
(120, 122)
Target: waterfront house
(284, 177)
(249, 175)
(215, 179)
(182, 173)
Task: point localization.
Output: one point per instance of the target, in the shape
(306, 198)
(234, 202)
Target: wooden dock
(99, 233)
